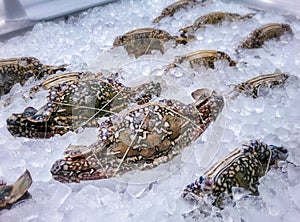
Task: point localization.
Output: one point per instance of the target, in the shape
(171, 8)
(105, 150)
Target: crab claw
(70, 170)
(184, 39)
(279, 153)
(20, 124)
(210, 100)
(268, 154)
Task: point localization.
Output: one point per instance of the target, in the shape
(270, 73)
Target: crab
(259, 36)
(10, 194)
(78, 100)
(256, 86)
(175, 7)
(142, 41)
(204, 58)
(241, 168)
(19, 70)
(139, 138)
(214, 18)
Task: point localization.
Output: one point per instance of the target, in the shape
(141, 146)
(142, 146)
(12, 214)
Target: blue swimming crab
(19, 70)
(77, 100)
(214, 18)
(139, 138)
(242, 168)
(143, 41)
(258, 85)
(206, 58)
(270, 31)
(175, 7)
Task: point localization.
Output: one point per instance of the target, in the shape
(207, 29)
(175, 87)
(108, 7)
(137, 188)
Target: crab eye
(253, 143)
(56, 168)
(29, 112)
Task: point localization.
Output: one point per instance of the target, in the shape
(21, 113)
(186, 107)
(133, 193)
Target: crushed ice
(85, 43)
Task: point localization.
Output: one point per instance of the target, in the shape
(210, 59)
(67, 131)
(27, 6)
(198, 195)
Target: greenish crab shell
(241, 168)
(78, 104)
(139, 138)
(143, 41)
(19, 70)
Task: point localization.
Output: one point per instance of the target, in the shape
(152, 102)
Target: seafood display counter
(113, 113)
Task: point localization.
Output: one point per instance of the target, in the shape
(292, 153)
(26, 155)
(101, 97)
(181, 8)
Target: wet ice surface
(155, 195)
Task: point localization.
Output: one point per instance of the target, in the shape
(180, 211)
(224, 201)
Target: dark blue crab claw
(279, 153)
(267, 154)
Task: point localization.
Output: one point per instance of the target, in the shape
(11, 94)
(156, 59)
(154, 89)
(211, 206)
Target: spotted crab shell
(143, 41)
(152, 129)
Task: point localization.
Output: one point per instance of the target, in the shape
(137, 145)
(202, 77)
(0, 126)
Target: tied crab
(206, 58)
(139, 138)
(255, 87)
(77, 100)
(267, 32)
(19, 70)
(175, 7)
(10, 194)
(142, 41)
(241, 168)
(214, 18)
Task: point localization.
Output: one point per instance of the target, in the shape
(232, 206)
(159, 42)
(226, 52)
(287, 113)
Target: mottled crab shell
(270, 31)
(19, 70)
(139, 138)
(10, 194)
(206, 58)
(215, 18)
(257, 86)
(241, 168)
(144, 40)
(78, 103)
(175, 7)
